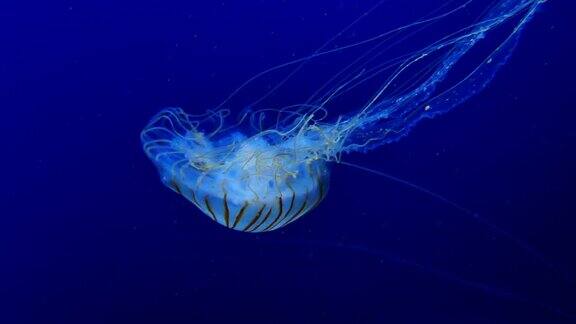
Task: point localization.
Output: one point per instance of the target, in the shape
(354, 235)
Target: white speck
(427, 108)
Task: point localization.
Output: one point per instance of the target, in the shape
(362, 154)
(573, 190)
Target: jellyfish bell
(252, 184)
(269, 167)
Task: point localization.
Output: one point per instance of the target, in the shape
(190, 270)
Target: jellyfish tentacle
(341, 48)
(400, 114)
(526, 247)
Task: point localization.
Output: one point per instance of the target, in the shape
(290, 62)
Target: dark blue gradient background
(89, 235)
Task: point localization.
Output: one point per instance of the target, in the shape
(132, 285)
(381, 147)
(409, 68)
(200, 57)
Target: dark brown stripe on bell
(254, 219)
(194, 199)
(289, 208)
(264, 220)
(226, 211)
(174, 185)
(210, 210)
(300, 211)
(278, 217)
(193, 194)
(240, 214)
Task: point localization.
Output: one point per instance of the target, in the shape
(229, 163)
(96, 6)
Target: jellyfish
(268, 165)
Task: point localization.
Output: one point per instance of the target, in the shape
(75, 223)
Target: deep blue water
(88, 233)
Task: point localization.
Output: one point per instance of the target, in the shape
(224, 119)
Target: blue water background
(89, 235)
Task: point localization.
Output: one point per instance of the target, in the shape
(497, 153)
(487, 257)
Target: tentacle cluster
(270, 163)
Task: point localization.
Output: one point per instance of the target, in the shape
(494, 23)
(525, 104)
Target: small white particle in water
(427, 108)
